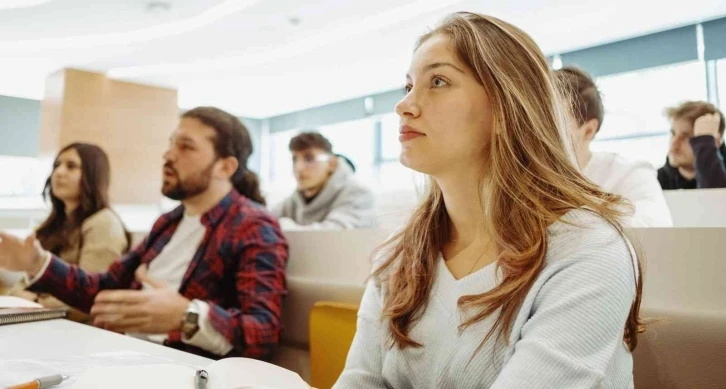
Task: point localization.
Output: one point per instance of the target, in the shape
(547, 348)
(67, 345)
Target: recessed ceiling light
(13, 4)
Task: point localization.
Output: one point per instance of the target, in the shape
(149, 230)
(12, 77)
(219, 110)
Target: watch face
(191, 318)
(191, 324)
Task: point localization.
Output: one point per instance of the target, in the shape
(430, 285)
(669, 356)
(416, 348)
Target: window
(280, 160)
(635, 102)
(281, 181)
(721, 83)
(21, 203)
(21, 176)
(635, 125)
(393, 177)
(355, 140)
(652, 149)
(390, 146)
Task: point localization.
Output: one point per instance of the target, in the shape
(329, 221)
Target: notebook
(230, 373)
(14, 310)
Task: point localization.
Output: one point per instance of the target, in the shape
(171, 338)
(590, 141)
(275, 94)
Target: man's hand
(707, 125)
(153, 311)
(21, 255)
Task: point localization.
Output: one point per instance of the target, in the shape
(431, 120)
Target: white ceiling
(246, 56)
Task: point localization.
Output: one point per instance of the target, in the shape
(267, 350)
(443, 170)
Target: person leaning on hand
(696, 154)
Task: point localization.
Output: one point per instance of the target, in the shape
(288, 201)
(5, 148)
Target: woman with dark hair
(81, 228)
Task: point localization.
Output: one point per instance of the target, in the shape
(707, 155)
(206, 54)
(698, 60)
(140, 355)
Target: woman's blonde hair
(530, 183)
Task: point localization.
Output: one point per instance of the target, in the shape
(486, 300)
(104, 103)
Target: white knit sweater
(567, 334)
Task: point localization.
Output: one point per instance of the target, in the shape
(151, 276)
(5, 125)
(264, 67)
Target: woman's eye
(407, 88)
(438, 83)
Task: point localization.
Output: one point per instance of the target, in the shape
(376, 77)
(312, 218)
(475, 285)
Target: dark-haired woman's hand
(24, 255)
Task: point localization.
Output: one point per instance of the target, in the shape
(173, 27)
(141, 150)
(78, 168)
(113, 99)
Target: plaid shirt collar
(212, 217)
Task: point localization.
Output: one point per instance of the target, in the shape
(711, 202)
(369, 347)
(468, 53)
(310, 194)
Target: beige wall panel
(132, 122)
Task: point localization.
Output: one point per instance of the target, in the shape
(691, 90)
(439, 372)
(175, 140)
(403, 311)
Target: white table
(697, 207)
(55, 339)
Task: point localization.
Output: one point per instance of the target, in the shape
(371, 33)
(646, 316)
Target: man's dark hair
(583, 95)
(232, 140)
(309, 140)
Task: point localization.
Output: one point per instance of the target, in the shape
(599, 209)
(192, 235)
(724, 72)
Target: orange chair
(332, 327)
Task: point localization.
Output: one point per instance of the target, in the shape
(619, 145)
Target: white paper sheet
(137, 377)
(231, 373)
(17, 302)
(13, 372)
(239, 373)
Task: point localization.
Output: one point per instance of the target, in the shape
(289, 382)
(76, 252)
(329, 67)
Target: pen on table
(201, 379)
(41, 383)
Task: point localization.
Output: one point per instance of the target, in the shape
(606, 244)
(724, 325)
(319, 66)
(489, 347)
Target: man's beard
(190, 187)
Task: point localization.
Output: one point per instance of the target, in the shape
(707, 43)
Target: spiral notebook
(15, 310)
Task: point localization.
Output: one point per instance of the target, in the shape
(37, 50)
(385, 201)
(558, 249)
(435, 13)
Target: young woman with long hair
(81, 228)
(514, 271)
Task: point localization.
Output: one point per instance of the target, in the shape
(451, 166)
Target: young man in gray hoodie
(328, 196)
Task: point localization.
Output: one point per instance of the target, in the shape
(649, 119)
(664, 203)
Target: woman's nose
(408, 107)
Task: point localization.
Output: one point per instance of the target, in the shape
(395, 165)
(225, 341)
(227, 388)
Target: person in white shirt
(636, 181)
(514, 271)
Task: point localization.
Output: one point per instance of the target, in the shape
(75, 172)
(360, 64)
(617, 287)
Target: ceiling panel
(258, 63)
(61, 18)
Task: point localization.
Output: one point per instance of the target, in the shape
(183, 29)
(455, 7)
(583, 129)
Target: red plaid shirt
(239, 270)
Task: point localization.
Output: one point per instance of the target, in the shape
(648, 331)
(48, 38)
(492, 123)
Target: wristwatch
(190, 323)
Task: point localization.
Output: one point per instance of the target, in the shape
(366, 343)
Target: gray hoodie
(343, 203)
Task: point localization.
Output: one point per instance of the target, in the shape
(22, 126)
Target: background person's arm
(78, 288)
(49, 274)
(710, 169)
